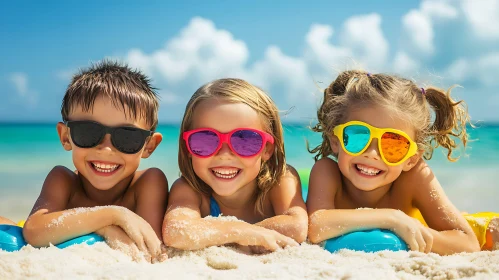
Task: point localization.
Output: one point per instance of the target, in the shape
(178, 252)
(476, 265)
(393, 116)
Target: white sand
(310, 261)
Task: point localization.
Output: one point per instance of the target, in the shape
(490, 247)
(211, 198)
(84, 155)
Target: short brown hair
(117, 81)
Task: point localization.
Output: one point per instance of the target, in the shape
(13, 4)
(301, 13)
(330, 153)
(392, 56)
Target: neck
(244, 198)
(106, 197)
(368, 199)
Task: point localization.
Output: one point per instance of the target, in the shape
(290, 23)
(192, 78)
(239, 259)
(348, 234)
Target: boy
(110, 114)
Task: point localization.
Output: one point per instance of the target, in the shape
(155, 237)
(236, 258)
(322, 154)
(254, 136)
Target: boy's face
(103, 165)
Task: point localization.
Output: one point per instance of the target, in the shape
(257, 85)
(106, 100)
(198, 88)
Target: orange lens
(394, 146)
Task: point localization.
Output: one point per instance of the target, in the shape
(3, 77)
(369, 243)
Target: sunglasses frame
(225, 138)
(375, 132)
(109, 130)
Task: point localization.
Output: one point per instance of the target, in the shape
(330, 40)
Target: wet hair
(237, 91)
(436, 118)
(126, 88)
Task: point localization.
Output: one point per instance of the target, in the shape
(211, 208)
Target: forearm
(43, 228)
(5, 221)
(453, 241)
(292, 224)
(326, 224)
(183, 231)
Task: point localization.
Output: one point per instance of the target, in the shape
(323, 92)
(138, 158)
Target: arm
(291, 213)
(5, 221)
(50, 222)
(152, 197)
(183, 227)
(327, 222)
(451, 233)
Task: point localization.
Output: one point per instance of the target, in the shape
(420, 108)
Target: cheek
(132, 160)
(199, 164)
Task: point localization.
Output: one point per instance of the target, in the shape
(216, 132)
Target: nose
(106, 144)
(372, 151)
(225, 151)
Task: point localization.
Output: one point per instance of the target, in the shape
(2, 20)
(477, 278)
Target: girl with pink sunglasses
(232, 163)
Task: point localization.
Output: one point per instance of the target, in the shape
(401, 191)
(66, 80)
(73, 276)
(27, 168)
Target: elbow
(32, 236)
(176, 235)
(299, 232)
(314, 233)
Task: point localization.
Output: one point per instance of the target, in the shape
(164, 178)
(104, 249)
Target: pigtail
(450, 121)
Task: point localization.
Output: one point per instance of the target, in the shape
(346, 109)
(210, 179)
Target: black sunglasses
(126, 139)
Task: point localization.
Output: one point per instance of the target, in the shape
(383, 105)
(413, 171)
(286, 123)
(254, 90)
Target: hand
(263, 239)
(117, 239)
(141, 232)
(413, 232)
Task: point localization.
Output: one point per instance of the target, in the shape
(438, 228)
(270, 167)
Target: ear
(63, 132)
(152, 144)
(335, 144)
(268, 151)
(412, 161)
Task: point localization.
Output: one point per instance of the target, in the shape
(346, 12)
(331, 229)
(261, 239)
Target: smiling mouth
(225, 173)
(369, 171)
(107, 168)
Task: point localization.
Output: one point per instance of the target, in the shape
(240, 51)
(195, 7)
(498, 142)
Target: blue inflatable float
(11, 239)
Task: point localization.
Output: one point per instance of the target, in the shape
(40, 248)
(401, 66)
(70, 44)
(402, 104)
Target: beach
(30, 151)
(306, 261)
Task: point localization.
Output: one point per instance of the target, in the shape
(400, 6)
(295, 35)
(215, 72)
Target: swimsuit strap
(214, 208)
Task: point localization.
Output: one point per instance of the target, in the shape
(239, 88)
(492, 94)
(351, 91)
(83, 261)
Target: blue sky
(289, 48)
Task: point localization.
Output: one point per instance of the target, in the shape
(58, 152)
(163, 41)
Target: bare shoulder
(417, 178)
(183, 194)
(150, 178)
(62, 178)
(326, 169)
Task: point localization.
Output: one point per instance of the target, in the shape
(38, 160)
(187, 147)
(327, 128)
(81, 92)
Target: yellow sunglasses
(395, 146)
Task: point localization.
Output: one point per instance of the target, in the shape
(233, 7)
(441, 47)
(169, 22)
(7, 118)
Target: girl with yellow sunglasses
(369, 173)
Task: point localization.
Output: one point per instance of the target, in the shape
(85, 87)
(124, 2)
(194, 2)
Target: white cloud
(320, 51)
(200, 50)
(458, 71)
(20, 83)
(363, 34)
(487, 68)
(420, 30)
(483, 16)
(277, 68)
(418, 24)
(402, 63)
(439, 9)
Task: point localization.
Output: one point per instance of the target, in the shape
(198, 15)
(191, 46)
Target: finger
(411, 241)
(284, 241)
(428, 239)
(139, 241)
(154, 245)
(420, 241)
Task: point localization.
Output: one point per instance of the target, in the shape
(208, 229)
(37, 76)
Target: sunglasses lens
(203, 143)
(355, 138)
(86, 134)
(128, 140)
(246, 142)
(394, 146)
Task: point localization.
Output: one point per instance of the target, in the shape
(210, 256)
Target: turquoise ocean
(29, 151)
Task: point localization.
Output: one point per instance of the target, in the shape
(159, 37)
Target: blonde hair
(237, 91)
(354, 89)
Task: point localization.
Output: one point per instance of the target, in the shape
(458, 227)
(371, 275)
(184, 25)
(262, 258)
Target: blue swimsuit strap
(214, 208)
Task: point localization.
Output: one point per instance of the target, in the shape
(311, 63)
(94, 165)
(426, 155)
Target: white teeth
(225, 173)
(368, 170)
(106, 168)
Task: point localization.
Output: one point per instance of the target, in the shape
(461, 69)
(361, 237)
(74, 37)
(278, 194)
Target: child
(231, 156)
(110, 114)
(377, 127)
